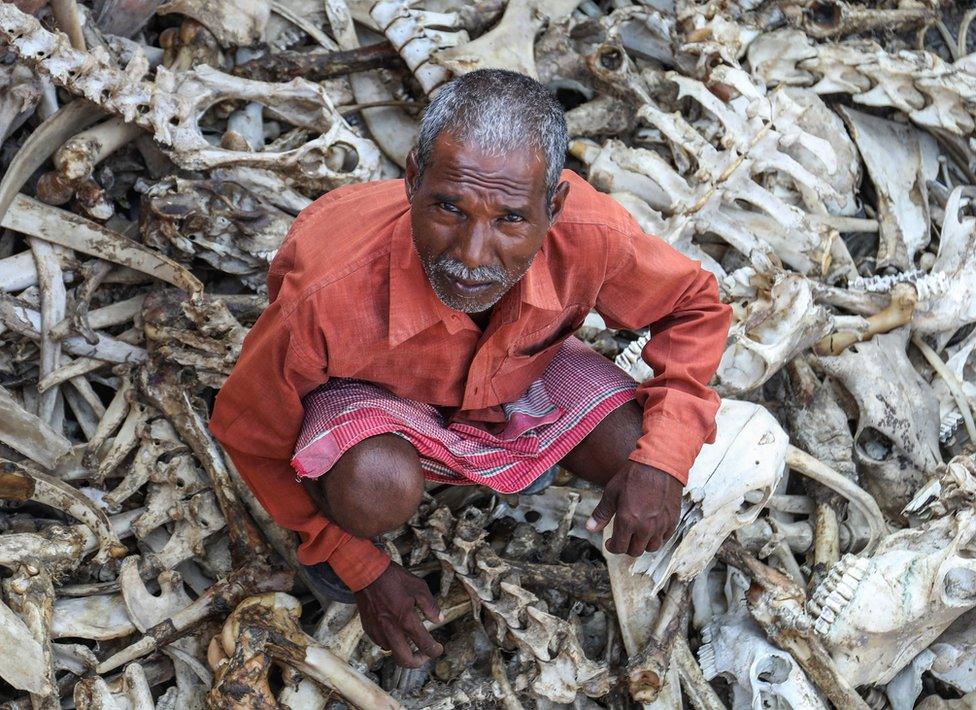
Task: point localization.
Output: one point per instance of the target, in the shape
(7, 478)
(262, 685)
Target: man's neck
(481, 319)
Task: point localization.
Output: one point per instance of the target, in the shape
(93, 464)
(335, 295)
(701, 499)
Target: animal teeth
(928, 285)
(822, 627)
(949, 424)
(834, 603)
(882, 284)
(706, 655)
(845, 590)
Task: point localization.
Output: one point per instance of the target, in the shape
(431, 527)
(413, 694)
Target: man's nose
(473, 249)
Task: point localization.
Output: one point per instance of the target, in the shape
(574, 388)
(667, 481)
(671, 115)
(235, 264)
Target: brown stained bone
(264, 628)
(63, 497)
(829, 19)
(898, 312)
(515, 614)
(48, 223)
(319, 64)
(647, 670)
(219, 600)
(583, 581)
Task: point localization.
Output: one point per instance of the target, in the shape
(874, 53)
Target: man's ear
(411, 179)
(558, 201)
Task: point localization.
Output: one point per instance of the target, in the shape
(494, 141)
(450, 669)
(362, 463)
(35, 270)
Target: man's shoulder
(588, 207)
(343, 229)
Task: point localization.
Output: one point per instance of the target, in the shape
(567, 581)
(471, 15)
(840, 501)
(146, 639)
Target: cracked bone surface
(818, 157)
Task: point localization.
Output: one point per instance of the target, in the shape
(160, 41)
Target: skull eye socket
(773, 669)
(874, 445)
(341, 157)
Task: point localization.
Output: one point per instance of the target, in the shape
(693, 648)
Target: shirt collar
(414, 306)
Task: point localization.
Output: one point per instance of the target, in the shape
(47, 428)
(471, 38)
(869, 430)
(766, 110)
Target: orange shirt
(349, 298)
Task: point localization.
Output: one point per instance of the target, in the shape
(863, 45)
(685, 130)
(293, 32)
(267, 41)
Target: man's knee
(375, 486)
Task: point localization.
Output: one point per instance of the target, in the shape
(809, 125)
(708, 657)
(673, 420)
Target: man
(425, 324)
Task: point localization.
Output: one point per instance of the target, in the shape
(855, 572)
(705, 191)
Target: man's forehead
(453, 159)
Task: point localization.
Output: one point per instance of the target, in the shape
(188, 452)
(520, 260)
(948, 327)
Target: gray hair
(502, 112)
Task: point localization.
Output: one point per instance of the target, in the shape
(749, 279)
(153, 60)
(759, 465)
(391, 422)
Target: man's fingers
(425, 600)
(603, 511)
(401, 649)
(421, 636)
(623, 531)
(637, 544)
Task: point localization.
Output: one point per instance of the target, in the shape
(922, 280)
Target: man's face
(477, 220)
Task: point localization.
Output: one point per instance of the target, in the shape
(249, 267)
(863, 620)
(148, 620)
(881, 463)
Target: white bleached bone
(233, 22)
(724, 196)
(778, 325)
(930, 91)
(875, 618)
(764, 675)
(28, 434)
(893, 157)
(510, 44)
(955, 265)
(23, 658)
(896, 443)
(98, 617)
(393, 130)
(19, 94)
(416, 34)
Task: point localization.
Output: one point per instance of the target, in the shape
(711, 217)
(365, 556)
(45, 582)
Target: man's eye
(513, 218)
(447, 206)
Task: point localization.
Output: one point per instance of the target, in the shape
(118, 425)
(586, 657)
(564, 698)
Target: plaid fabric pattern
(577, 390)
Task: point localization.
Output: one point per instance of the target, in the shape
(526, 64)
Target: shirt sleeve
(650, 283)
(257, 416)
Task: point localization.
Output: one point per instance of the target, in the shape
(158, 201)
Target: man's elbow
(708, 297)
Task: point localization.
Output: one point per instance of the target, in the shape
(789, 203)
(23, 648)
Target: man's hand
(386, 608)
(645, 503)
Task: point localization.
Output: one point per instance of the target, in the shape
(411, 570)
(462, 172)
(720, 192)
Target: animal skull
(896, 444)
(776, 327)
(875, 614)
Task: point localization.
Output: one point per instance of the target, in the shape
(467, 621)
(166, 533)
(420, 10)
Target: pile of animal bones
(816, 155)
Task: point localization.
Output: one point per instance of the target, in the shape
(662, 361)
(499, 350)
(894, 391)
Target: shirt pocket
(531, 351)
(549, 335)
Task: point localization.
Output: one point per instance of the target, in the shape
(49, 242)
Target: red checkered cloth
(577, 390)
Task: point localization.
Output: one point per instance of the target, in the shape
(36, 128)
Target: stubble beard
(440, 269)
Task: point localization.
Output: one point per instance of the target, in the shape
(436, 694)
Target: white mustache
(483, 274)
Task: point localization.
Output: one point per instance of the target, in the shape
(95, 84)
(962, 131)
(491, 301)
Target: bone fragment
(48, 223)
(896, 314)
(26, 433)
